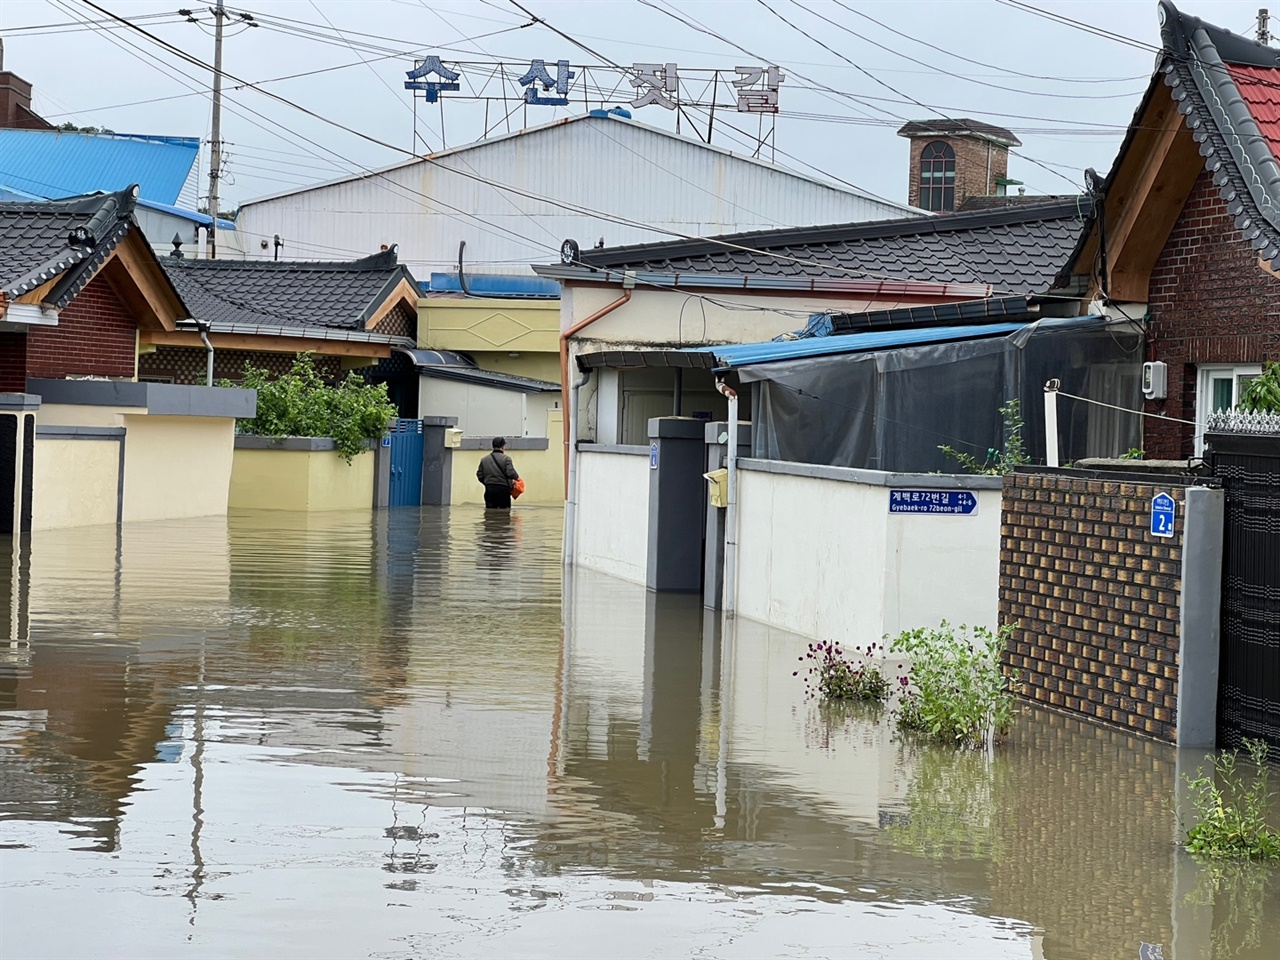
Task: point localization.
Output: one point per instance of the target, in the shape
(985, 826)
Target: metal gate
(406, 464)
(1249, 671)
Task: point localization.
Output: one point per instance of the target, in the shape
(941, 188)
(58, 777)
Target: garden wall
(1114, 623)
(298, 473)
(613, 510)
(820, 554)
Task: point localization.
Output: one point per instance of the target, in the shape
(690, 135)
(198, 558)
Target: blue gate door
(406, 463)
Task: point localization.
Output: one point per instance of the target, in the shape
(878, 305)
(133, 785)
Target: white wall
(613, 514)
(821, 555)
(486, 411)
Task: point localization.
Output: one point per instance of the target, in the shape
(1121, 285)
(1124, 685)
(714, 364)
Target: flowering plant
(833, 676)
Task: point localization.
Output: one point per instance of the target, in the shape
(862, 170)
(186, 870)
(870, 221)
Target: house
(83, 441)
(1186, 234)
(41, 162)
(757, 286)
(953, 161)
(569, 183)
(348, 314)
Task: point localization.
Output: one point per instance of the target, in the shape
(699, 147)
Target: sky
(850, 82)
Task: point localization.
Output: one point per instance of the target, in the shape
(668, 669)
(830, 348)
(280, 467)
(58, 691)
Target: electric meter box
(718, 487)
(453, 438)
(1155, 380)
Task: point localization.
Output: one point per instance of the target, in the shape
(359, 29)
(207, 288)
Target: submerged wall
(820, 554)
(613, 511)
(298, 473)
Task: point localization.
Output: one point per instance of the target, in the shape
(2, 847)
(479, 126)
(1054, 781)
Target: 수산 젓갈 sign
(956, 502)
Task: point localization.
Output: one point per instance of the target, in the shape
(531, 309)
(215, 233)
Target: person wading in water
(497, 473)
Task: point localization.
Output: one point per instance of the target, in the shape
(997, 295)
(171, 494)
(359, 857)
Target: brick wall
(13, 363)
(1096, 597)
(95, 335)
(187, 365)
(972, 176)
(1209, 303)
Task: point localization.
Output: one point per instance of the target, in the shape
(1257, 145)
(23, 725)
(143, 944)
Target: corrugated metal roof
(744, 354)
(661, 183)
(736, 355)
(54, 164)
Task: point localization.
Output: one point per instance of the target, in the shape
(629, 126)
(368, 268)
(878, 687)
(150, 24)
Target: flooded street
(351, 736)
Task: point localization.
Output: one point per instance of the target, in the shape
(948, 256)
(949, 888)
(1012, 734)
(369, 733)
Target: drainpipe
(731, 505)
(571, 482)
(202, 328)
(628, 283)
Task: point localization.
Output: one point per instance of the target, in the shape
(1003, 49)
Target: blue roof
(194, 216)
(745, 354)
(495, 285)
(53, 164)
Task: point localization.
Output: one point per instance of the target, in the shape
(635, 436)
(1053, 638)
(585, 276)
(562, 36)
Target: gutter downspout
(730, 598)
(629, 283)
(571, 482)
(208, 357)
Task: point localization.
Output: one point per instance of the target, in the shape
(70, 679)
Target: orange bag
(517, 488)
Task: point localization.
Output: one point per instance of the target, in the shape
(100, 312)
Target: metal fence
(1249, 677)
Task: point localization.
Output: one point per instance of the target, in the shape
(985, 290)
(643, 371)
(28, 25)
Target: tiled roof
(959, 128)
(62, 238)
(1015, 250)
(54, 164)
(1226, 87)
(291, 293)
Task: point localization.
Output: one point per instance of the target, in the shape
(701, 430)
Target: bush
(1233, 815)
(956, 690)
(1262, 394)
(300, 404)
(832, 676)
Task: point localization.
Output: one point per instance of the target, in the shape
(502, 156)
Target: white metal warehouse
(602, 162)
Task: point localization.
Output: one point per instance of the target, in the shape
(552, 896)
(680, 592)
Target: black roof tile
(289, 293)
(70, 239)
(1016, 250)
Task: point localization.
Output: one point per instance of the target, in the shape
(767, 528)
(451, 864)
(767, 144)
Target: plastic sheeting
(893, 409)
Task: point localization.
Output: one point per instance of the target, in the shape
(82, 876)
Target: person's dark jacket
(497, 469)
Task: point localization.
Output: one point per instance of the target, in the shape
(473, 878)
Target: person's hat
(499, 442)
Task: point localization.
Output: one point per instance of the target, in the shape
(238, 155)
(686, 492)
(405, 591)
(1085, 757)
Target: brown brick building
(953, 160)
(1187, 233)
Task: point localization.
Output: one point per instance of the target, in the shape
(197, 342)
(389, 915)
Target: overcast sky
(1069, 107)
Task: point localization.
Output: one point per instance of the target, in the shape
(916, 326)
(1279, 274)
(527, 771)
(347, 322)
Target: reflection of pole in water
(728, 640)
(197, 791)
(16, 589)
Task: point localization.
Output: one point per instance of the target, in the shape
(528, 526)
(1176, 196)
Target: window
(1218, 387)
(938, 177)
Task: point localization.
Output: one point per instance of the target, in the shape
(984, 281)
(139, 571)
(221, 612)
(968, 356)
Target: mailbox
(453, 438)
(718, 487)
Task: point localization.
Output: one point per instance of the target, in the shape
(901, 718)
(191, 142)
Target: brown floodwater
(401, 736)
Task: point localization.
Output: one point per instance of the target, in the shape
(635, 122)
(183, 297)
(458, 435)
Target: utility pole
(1264, 34)
(215, 146)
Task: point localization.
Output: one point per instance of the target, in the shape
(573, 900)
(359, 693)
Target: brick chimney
(953, 160)
(15, 101)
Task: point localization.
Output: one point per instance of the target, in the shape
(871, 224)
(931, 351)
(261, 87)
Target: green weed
(1231, 807)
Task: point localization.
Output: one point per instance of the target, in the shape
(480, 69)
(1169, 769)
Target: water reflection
(379, 735)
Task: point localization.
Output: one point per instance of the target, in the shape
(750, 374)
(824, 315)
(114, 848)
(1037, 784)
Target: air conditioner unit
(1155, 380)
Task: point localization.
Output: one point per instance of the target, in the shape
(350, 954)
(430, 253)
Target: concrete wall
(820, 555)
(177, 466)
(75, 482)
(613, 516)
(482, 324)
(315, 478)
(486, 411)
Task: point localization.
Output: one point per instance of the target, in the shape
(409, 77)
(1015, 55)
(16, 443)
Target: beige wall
(74, 483)
(176, 466)
(542, 470)
(539, 366)
(300, 480)
(489, 324)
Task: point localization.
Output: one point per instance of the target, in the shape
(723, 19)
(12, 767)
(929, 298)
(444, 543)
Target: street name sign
(955, 502)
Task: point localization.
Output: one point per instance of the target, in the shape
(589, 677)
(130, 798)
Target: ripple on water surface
(354, 735)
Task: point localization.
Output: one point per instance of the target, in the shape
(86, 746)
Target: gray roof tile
(1015, 250)
(290, 293)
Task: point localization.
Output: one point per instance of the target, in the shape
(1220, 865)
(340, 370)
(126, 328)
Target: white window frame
(1206, 373)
